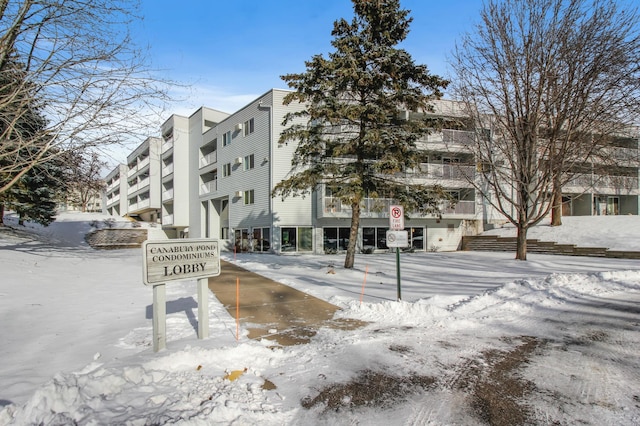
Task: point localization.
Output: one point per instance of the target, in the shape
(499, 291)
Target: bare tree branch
(81, 72)
(555, 82)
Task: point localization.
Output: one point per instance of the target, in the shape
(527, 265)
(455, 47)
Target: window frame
(248, 127)
(249, 162)
(249, 197)
(226, 138)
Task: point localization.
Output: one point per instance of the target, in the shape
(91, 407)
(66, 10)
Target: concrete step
(496, 243)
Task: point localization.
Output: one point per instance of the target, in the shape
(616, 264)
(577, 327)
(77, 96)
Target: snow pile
(77, 336)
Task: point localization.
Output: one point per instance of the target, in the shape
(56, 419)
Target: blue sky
(227, 53)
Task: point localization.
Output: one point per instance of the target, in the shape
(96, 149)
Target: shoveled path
(272, 310)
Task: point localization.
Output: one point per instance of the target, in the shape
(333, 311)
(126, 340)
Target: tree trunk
(353, 236)
(1, 214)
(521, 243)
(556, 206)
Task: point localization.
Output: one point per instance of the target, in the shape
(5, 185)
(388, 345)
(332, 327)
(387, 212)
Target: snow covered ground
(76, 337)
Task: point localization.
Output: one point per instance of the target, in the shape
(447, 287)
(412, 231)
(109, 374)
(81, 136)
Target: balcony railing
(144, 182)
(113, 184)
(379, 207)
(167, 145)
(143, 203)
(167, 219)
(167, 195)
(167, 169)
(209, 187)
(586, 181)
(461, 207)
(444, 171)
(452, 137)
(143, 163)
(210, 158)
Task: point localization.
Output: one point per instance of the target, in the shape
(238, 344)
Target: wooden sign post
(178, 260)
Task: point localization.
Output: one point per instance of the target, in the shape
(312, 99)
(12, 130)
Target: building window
(226, 138)
(297, 239)
(248, 162)
(242, 240)
(248, 127)
(375, 238)
(248, 197)
(226, 170)
(261, 239)
(335, 239)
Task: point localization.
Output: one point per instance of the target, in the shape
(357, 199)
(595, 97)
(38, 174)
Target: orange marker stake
(237, 308)
(366, 270)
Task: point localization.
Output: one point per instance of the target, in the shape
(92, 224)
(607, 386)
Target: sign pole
(159, 317)
(397, 237)
(398, 272)
(203, 308)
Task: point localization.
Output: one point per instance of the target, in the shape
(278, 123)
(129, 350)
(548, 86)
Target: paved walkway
(272, 310)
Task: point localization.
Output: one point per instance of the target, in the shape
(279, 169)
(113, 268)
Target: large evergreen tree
(22, 132)
(35, 196)
(351, 134)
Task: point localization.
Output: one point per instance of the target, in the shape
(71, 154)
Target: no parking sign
(396, 218)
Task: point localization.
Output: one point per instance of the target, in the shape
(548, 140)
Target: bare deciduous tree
(551, 82)
(79, 70)
(84, 180)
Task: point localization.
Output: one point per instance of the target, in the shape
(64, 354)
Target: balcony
(461, 207)
(459, 138)
(143, 163)
(379, 208)
(210, 158)
(167, 145)
(445, 172)
(132, 170)
(605, 184)
(167, 195)
(143, 204)
(167, 219)
(167, 169)
(113, 184)
(209, 187)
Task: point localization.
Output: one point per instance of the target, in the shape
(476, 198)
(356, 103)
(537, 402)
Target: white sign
(175, 260)
(396, 218)
(397, 239)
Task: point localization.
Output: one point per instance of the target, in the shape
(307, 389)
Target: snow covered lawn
(478, 338)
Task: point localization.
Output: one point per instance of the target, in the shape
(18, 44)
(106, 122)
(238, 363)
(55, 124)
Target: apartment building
(179, 164)
(607, 189)
(143, 181)
(241, 160)
(114, 198)
(216, 171)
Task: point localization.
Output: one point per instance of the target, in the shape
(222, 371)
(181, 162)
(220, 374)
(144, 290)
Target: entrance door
(242, 240)
(416, 238)
(613, 205)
